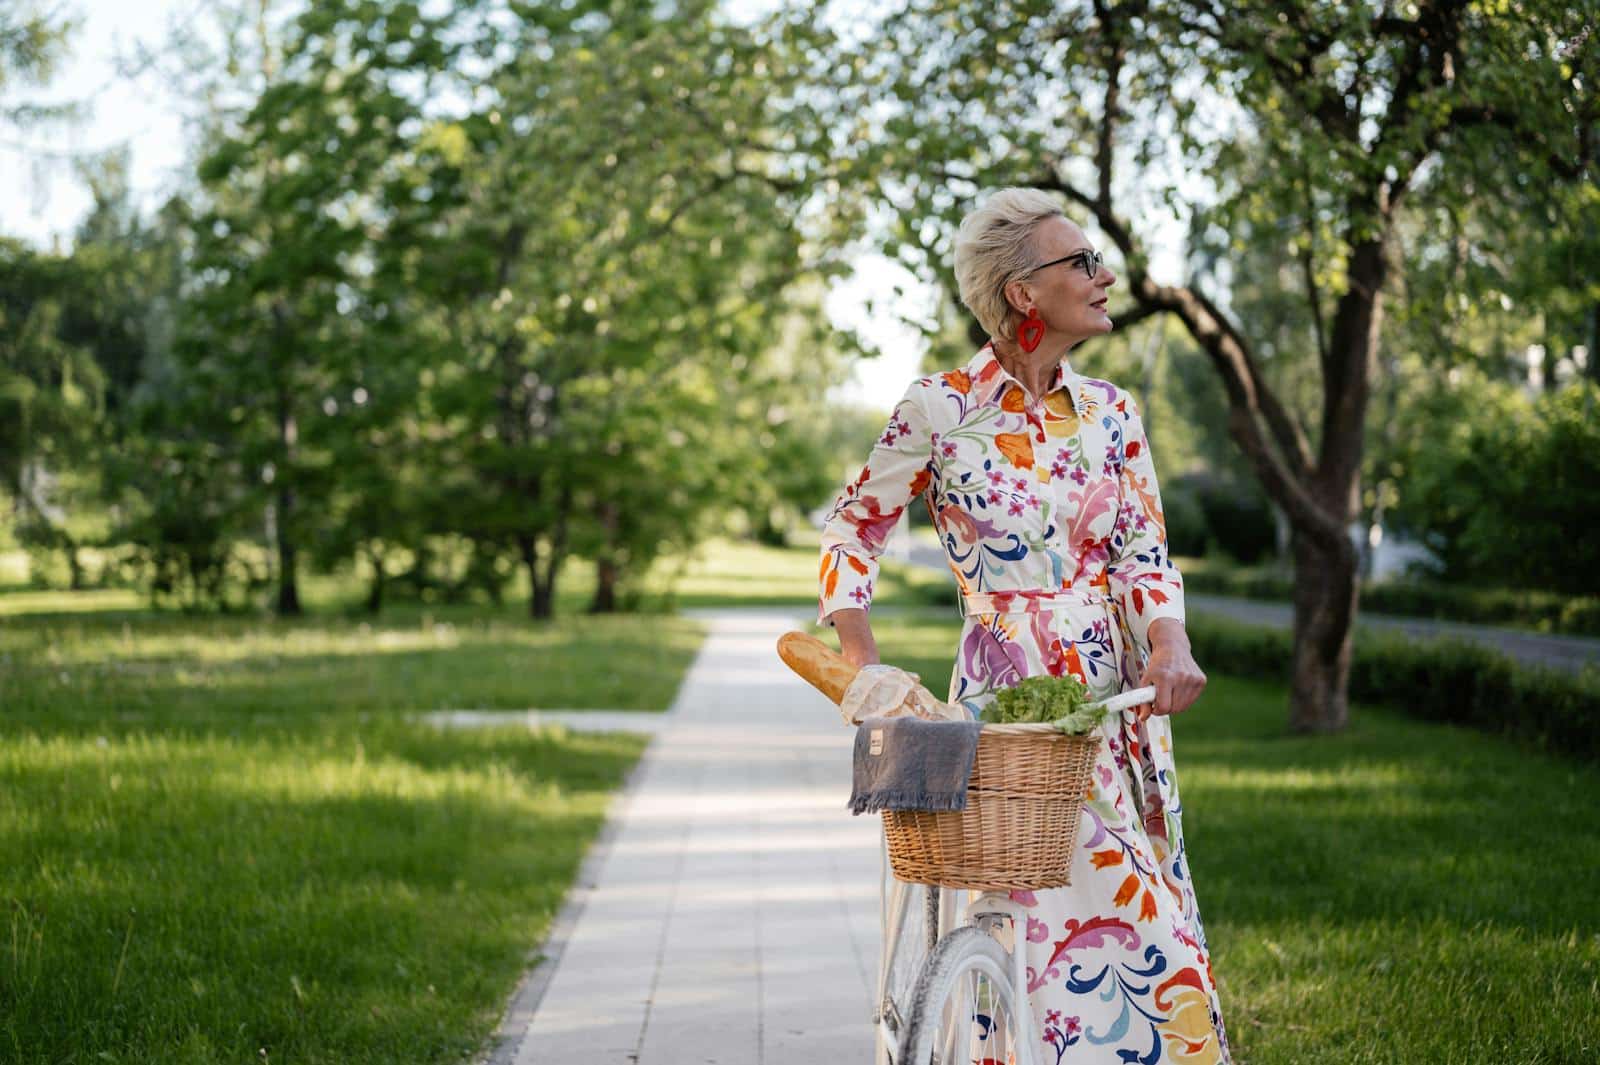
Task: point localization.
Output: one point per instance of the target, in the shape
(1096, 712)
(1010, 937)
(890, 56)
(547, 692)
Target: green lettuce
(1063, 701)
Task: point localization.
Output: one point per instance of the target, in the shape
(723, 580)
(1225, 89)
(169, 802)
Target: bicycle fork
(983, 911)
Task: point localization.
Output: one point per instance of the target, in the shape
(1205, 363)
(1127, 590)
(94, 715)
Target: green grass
(1403, 892)
(733, 573)
(135, 670)
(313, 895)
(227, 839)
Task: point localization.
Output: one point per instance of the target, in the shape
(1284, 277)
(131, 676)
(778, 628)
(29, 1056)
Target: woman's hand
(1171, 669)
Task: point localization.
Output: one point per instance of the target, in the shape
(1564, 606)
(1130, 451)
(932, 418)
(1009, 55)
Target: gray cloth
(908, 763)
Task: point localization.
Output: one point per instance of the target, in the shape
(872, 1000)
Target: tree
(286, 316)
(1325, 121)
(621, 223)
(51, 394)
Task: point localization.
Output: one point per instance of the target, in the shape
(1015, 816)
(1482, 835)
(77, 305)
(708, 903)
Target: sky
(42, 200)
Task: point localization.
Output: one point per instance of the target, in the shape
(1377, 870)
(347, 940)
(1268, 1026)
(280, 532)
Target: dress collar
(991, 379)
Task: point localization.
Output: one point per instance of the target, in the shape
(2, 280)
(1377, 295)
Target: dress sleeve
(898, 470)
(1141, 575)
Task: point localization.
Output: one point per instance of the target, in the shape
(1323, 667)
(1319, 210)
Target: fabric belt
(1032, 600)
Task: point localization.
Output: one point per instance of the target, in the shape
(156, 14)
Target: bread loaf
(820, 665)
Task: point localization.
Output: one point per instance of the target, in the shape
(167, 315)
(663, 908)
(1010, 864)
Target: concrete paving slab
(728, 914)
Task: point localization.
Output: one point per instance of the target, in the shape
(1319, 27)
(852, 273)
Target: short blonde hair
(994, 247)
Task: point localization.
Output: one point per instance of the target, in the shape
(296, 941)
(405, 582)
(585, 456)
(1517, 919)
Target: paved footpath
(729, 912)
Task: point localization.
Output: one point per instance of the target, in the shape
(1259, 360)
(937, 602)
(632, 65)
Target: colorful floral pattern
(1051, 520)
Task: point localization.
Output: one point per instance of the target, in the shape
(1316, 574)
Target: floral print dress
(1051, 520)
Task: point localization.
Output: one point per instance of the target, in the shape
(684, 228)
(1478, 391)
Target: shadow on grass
(196, 681)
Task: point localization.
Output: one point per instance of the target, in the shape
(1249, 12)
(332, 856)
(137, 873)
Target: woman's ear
(1017, 296)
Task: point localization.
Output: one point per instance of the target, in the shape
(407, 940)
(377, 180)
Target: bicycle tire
(967, 951)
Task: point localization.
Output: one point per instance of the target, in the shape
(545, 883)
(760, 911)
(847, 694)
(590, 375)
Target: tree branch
(1307, 264)
(1567, 166)
(1285, 471)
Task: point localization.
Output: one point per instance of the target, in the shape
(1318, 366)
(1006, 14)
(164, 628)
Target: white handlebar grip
(1136, 697)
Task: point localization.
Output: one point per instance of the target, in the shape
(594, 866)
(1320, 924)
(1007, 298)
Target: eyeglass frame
(1088, 258)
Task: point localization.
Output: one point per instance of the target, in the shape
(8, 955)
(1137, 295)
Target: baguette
(818, 664)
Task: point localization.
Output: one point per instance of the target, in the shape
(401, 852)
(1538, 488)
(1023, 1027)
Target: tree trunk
(605, 586)
(542, 604)
(607, 569)
(376, 588)
(288, 443)
(544, 590)
(1592, 356)
(288, 583)
(1325, 594)
(74, 566)
(541, 576)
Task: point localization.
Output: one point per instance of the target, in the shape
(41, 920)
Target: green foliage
(1185, 517)
(1439, 680)
(1238, 519)
(33, 41)
(571, 311)
(1504, 493)
(52, 394)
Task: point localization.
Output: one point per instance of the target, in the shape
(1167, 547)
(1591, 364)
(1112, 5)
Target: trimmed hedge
(1440, 680)
(1529, 608)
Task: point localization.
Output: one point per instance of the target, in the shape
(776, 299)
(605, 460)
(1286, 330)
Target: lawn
(732, 573)
(1404, 892)
(226, 839)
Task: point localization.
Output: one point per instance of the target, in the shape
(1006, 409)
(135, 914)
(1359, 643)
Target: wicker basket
(1021, 822)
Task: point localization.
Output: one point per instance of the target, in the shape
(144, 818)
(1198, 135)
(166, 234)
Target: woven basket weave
(1021, 822)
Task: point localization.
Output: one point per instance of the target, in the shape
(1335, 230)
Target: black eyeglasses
(1089, 260)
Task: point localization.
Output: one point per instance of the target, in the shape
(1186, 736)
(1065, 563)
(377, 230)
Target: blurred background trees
(454, 295)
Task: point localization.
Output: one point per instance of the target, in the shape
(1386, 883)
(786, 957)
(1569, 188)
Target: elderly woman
(1041, 486)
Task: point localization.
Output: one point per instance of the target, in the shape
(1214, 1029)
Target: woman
(1043, 492)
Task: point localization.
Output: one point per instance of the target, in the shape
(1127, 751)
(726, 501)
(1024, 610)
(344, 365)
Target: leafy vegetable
(1063, 701)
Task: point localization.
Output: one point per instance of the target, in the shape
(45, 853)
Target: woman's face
(1070, 302)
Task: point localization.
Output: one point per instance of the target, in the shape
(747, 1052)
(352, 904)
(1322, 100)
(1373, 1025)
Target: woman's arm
(855, 636)
(898, 470)
(1146, 582)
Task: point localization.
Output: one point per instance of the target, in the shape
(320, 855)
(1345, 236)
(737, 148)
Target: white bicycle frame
(892, 902)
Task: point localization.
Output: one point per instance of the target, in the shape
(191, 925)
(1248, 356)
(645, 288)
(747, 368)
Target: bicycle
(964, 986)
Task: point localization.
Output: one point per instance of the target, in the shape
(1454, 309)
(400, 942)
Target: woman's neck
(1034, 370)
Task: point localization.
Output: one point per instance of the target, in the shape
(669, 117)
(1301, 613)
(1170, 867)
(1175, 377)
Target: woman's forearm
(855, 636)
(1168, 630)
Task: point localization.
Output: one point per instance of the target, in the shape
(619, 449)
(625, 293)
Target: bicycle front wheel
(964, 1009)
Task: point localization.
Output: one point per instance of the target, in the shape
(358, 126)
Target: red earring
(1031, 331)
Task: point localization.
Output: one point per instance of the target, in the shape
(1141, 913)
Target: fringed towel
(907, 763)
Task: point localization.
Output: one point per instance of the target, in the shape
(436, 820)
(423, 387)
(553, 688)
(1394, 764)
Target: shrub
(1528, 607)
(1443, 680)
(1186, 519)
(1240, 524)
(1506, 494)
